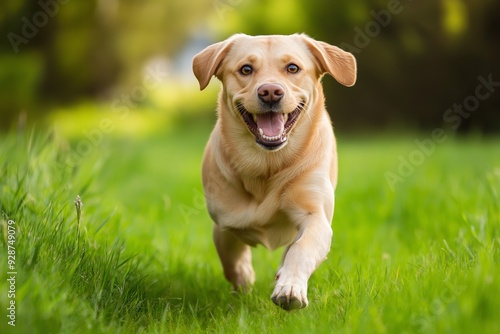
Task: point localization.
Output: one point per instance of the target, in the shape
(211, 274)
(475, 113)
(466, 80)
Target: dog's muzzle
(270, 129)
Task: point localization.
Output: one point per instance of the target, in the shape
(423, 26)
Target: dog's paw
(290, 296)
(242, 278)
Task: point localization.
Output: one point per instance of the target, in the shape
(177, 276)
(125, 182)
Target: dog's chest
(252, 209)
(260, 218)
(258, 189)
(276, 232)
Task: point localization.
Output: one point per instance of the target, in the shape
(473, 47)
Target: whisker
(305, 107)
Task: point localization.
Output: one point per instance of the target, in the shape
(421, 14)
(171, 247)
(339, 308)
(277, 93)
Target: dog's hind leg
(236, 259)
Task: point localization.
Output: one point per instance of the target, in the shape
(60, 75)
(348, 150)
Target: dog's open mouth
(270, 129)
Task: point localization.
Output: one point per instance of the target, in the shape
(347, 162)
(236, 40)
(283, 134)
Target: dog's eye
(246, 70)
(292, 68)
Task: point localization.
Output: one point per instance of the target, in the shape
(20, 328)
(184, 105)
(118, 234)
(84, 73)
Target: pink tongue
(271, 123)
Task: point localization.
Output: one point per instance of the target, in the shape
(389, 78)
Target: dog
(270, 166)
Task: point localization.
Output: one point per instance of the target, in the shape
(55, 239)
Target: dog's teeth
(254, 118)
(285, 117)
(273, 138)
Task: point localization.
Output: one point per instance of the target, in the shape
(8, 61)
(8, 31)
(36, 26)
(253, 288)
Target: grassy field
(416, 255)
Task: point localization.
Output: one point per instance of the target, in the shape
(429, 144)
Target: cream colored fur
(281, 197)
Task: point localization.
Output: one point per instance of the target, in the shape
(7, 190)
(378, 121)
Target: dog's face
(270, 82)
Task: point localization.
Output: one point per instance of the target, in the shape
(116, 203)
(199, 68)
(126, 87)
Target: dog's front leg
(301, 258)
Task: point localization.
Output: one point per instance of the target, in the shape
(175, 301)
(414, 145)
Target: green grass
(420, 258)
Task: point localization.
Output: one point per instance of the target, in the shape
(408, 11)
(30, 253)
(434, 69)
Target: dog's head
(270, 81)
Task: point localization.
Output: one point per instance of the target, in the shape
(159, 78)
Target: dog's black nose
(271, 93)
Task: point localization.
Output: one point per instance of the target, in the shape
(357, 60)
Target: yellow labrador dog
(270, 166)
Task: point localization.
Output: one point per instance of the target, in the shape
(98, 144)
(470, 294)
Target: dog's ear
(207, 62)
(338, 63)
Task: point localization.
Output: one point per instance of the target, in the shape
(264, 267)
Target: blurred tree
(416, 59)
(58, 51)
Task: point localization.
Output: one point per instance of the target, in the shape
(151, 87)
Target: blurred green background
(120, 121)
(125, 65)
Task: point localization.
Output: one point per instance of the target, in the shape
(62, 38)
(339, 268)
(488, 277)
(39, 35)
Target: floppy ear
(207, 62)
(338, 63)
